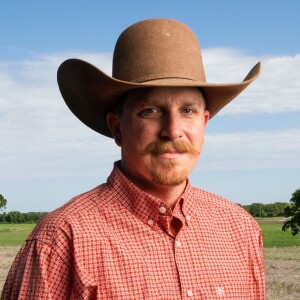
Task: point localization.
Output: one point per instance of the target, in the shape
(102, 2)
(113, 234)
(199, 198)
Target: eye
(149, 112)
(188, 110)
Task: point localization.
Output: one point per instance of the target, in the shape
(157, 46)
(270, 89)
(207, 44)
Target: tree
(256, 210)
(3, 202)
(292, 212)
(15, 217)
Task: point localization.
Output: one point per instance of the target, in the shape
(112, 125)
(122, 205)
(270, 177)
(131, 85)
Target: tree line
(291, 211)
(16, 217)
(261, 210)
(257, 210)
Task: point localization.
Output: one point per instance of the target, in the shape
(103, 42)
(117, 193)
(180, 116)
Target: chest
(144, 262)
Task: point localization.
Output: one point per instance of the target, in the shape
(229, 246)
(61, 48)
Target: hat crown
(158, 49)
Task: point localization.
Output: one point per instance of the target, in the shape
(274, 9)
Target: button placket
(188, 219)
(162, 210)
(178, 244)
(150, 222)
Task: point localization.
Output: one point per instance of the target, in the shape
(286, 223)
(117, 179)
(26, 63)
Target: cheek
(145, 129)
(196, 136)
(138, 134)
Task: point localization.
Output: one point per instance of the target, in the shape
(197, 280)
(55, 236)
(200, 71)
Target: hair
(117, 107)
(119, 104)
(204, 96)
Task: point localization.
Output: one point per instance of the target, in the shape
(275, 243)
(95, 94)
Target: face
(161, 133)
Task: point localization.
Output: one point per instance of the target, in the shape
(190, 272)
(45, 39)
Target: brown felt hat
(150, 53)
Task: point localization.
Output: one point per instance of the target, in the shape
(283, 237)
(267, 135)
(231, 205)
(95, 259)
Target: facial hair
(165, 175)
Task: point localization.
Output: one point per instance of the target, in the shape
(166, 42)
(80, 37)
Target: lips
(172, 151)
(170, 155)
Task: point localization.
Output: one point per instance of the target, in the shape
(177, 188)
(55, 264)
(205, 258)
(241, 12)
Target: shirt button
(190, 293)
(150, 222)
(178, 244)
(188, 218)
(162, 210)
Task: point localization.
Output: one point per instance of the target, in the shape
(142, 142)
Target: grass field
(282, 256)
(14, 234)
(273, 235)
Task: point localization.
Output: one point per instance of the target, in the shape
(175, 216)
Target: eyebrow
(187, 102)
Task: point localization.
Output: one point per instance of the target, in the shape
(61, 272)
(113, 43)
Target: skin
(166, 117)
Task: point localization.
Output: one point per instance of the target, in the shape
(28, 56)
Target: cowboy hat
(150, 53)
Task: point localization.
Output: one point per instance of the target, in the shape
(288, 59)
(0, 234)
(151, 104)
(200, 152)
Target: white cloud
(277, 90)
(40, 137)
(252, 150)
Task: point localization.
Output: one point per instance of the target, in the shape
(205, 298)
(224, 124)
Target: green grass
(14, 234)
(273, 235)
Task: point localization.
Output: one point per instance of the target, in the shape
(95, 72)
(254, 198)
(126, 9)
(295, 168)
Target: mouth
(171, 154)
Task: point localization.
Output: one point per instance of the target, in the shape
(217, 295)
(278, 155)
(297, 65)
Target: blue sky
(252, 148)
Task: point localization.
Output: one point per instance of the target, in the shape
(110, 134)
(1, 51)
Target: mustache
(160, 147)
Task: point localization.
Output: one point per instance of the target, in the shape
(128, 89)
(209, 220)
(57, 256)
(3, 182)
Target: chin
(169, 177)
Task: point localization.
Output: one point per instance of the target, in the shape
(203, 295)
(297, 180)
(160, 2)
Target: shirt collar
(143, 205)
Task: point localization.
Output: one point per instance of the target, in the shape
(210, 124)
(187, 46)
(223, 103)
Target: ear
(113, 121)
(206, 117)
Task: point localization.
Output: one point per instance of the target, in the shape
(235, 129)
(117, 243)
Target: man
(146, 233)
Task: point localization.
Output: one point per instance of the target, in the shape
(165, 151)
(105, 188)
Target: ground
(282, 271)
(7, 255)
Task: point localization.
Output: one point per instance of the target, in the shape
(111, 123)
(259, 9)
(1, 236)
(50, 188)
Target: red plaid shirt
(114, 242)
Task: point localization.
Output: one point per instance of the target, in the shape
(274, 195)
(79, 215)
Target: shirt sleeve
(38, 272)
(258, 267)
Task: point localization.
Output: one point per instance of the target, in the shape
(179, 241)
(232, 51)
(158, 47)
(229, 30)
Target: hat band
(156, 77)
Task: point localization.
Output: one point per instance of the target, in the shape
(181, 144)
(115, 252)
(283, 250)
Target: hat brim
(90, 93)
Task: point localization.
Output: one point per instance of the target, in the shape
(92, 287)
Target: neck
(167, 194)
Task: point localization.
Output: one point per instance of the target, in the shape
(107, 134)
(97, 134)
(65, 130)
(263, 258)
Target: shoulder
(223, 209)
(71, 217)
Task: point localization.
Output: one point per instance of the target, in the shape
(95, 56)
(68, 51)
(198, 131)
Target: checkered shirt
(114, 242)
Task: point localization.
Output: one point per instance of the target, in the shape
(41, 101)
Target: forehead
(163, 96)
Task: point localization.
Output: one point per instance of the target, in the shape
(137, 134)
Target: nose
(171, 127)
